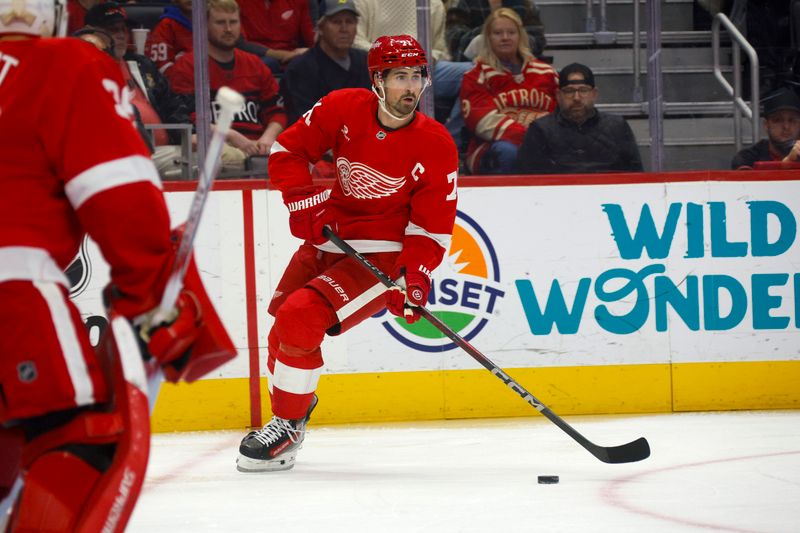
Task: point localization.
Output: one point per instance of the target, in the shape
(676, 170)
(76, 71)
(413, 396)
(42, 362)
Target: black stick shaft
(626, 453)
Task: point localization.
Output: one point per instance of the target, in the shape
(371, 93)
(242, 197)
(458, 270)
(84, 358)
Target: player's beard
(405, 108)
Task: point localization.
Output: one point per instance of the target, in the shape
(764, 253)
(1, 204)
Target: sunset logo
(464, 292)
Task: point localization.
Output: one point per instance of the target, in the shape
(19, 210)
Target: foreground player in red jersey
(394, 200)
(74, 423)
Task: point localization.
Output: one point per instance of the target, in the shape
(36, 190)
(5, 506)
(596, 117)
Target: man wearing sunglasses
(577, 138)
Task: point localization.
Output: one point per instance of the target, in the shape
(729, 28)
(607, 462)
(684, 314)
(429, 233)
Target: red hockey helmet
(395, 51)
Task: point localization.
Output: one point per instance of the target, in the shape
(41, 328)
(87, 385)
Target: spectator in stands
(105, 43)
(331, 64)
(282, 26)
(380, 18)
(100, 39)
(172, 36)
(577, 138)
(76, 13)
(262, 118)
(152, 96)
(506, 91)
(782, 124)
(398, 17)
(465, 22)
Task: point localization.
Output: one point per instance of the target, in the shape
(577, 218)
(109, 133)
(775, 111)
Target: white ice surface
(735, 471)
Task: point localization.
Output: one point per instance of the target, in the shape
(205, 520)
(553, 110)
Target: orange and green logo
(464, 291)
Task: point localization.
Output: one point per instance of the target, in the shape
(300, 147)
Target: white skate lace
(273, 431)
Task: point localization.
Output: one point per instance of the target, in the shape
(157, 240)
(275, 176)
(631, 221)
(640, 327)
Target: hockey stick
(229, 102)
(7, 503)
(626, 453)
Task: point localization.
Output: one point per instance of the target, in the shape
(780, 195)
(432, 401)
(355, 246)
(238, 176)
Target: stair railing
(600, 32)
(637, 51)
(740, 106)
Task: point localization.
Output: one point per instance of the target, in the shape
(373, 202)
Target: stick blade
(631, 452)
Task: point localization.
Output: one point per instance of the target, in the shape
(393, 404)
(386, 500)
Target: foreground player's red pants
(319, 293)
(46, 361)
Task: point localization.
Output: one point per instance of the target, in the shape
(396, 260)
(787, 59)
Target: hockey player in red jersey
(74, 423)
(394, 200)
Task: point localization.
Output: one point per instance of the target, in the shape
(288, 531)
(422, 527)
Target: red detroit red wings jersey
(55, 160)
(249, 76)
(167, 42)
(281, 24)
(495, 102)
(395, 189)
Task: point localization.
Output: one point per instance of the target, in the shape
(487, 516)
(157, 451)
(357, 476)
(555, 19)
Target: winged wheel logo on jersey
(364, 182)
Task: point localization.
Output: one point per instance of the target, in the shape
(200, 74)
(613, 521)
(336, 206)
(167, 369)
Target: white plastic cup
(139, 38)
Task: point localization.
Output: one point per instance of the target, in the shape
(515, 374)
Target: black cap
(576, 68)
(328, 8)
(781, 99)
(103, 15)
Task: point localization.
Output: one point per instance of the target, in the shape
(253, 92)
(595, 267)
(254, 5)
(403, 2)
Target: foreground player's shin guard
(273, 447)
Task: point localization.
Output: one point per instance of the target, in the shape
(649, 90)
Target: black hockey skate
(274, 446)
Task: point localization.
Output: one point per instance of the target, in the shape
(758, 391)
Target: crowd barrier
(615, 293)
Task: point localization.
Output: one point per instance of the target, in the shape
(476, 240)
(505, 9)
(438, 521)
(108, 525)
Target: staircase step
(680, 85)
(693, 131)
(671, 109)
(625, 38)
(570, 15)
(695, 157)
(622, 58)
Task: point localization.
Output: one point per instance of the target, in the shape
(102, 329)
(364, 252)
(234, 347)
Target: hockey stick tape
(229, 102)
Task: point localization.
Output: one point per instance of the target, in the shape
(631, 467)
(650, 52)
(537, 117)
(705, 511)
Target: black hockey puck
(547, 480)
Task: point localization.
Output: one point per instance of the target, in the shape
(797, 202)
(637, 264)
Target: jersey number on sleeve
(6, 62)
(307, 114)
(453, 177)
(122, 99)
